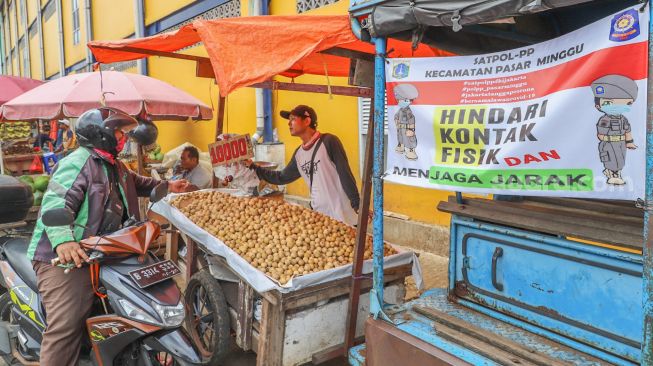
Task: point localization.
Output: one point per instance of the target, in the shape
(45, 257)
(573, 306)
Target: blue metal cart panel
(587, 293)
(410, 321)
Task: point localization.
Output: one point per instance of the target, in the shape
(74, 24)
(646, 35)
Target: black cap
(301, 111)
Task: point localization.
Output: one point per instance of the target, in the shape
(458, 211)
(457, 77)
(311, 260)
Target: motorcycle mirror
(159, 192)
(57, 217)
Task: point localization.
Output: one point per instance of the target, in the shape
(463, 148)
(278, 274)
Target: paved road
(243, 359)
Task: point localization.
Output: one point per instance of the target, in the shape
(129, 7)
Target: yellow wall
(112, 19)
(19, 17)
(12, 23)
(73, 53)
(35, 57)
(51, 45)
(32, 10)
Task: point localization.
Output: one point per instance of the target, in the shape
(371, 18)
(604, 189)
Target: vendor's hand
(631, 146)
(410, 133)
(178, 186)
(71, 252)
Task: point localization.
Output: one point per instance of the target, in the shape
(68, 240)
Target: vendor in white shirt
(192, 170)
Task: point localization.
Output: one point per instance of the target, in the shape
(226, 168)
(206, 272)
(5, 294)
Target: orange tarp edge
(167, 42)
(248, 50)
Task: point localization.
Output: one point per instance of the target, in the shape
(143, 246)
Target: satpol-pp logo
(624, 26)
(400, 69)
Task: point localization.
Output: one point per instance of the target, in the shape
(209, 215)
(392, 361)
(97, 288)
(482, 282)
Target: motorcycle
(138, 312)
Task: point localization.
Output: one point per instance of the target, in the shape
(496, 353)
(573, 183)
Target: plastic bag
(37, 166)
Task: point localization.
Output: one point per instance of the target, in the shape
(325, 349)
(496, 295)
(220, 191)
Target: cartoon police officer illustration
(405, 120)
(614, 95)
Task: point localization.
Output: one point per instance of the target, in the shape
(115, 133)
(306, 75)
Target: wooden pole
(142, 205)
(361, 236)
(220, 122)
(349, 91)
(139, 160)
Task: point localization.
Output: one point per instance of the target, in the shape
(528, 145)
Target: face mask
(404, 103)
(616, 110)
(121, 144)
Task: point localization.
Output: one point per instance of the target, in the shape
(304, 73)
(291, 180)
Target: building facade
(45, 39)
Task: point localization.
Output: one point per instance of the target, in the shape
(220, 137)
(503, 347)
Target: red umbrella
(13, 86)
(74, 94)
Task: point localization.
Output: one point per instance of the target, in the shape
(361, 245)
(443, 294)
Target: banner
(566, 117)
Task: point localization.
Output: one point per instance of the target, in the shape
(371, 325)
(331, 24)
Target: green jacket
(79, 183)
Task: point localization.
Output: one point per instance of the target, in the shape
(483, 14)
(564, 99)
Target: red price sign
(234, 149)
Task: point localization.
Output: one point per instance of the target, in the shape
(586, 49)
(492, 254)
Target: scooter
(138, 315)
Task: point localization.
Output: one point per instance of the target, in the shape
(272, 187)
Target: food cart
(289, 322)
(532, 280)
(290, 315)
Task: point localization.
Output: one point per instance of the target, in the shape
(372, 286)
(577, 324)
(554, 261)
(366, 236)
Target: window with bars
(306, 5)
(33, 29)
(364, 105)
(75, 7)
(49, 10)
(230, 9)
(118, 66)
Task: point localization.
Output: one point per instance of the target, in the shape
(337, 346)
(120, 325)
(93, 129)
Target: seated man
(191, 170)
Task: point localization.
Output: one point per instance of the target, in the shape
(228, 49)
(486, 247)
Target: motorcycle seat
(15, 250)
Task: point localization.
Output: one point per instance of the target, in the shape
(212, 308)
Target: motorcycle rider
(102, 193)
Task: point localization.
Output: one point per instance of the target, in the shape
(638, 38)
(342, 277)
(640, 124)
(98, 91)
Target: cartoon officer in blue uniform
(405, 121)
(614, 96)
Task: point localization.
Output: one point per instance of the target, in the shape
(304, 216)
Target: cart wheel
(207, 317)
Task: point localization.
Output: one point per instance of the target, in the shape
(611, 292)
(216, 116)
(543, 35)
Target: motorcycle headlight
(172, 316)
(134, 312)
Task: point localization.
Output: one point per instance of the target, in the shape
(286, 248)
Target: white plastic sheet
(259, 280)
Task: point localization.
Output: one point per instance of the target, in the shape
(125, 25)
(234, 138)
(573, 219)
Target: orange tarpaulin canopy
(248, 50)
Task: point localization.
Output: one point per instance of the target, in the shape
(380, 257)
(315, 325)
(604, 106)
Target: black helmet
(145, 133)
(96, 128)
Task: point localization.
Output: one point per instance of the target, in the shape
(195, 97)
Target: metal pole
(376, 294)
(39, 20)
(62, 49)
(10, 62)
(647, 344)
(139, 32)
(27, 68)
(89, 33)
(19, 60)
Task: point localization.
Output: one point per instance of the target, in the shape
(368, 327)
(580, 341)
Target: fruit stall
(17, 152)
(283, 272)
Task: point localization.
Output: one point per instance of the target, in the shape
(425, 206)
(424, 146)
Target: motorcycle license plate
(154, 273)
